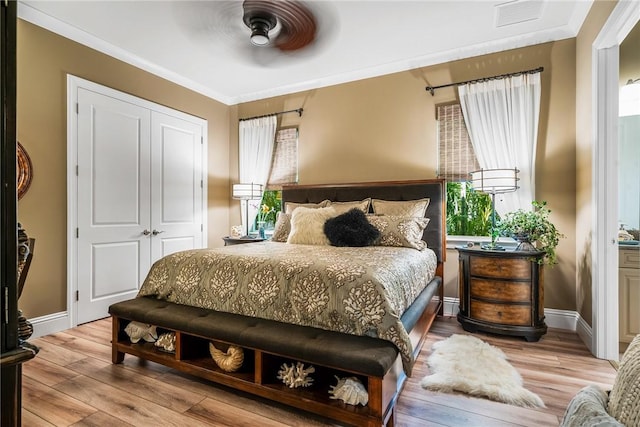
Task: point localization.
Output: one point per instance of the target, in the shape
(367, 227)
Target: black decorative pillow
(351, 229)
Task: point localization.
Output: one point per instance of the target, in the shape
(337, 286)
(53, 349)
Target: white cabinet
(629, 293)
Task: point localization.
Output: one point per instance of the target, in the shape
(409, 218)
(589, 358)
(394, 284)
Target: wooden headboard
(435, 234)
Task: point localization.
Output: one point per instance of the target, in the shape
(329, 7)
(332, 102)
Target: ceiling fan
(287, 25)
(269, 33)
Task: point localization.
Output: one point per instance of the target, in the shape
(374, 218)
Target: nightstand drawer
(629, 258)
(509, 268)
(501, 313)
(497, 290)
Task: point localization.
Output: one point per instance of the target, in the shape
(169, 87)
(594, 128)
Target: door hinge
(6, 305)
(77, 108)
(201, 227)
(77, 233)
(77, 170)
(202, 140)
(77, 295)
(201, 184)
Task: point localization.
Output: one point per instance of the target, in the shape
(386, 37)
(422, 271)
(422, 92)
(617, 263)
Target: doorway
(605, 55)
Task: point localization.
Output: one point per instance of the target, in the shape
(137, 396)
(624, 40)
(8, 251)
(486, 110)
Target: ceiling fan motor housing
(260, 25)
(298, 25)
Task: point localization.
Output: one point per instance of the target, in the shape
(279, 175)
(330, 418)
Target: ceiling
(204, 45)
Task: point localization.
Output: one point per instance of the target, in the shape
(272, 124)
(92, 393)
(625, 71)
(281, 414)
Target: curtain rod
(298, 110)
(431, 89)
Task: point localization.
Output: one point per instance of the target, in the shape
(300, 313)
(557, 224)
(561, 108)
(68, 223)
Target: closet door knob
(156, 232)
(146, 232)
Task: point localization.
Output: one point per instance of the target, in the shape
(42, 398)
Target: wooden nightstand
(228, 241)
(502, 292)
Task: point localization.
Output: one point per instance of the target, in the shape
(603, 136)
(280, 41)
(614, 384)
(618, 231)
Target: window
(468, 211)
(284, 170)
(284, 167)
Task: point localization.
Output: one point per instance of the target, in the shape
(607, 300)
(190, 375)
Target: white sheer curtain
(502, 118)
(256, 141)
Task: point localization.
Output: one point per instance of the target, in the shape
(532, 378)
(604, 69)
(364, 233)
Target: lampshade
(495, 181)
(246, 191)
(630, 99)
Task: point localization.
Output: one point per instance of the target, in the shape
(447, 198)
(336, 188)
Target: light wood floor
(72, 382)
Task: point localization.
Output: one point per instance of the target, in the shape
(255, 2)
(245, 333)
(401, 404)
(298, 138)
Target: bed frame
(268, 344)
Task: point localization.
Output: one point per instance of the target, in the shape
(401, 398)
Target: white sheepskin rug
(466, 364)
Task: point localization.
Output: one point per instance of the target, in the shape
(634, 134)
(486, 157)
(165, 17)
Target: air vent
(515, 12)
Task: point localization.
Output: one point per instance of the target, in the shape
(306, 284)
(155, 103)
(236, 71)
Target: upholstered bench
(362, 355)
(268, 344)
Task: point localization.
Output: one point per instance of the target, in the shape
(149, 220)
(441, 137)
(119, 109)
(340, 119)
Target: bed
(303, 305)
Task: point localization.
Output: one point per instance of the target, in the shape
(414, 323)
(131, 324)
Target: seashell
(229, 361)
(138, 331)
(167, 342)
(296, 375)
(350, 390)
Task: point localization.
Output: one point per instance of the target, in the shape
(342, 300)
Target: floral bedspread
(359, 291)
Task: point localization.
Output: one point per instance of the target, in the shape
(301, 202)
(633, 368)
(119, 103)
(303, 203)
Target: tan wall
(383, 128)
(44, 59)
(598, 15)
(375, 129)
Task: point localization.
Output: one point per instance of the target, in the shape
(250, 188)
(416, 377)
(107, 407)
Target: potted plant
(533, 230)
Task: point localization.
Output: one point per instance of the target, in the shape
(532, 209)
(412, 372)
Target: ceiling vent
(515, 12)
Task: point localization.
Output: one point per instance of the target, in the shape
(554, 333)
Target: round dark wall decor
(24, 170)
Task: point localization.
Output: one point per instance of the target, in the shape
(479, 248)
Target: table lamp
(245, 192)
(494, 181)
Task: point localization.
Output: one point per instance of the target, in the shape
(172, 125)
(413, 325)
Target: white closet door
(113, 202)
(138, 194)
(176, 185)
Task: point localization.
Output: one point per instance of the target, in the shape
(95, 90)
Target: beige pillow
(342, 207)
(402, 231)
(289, 207)
(400, 208)
(307, 225)
(624, 399)
(282, 228)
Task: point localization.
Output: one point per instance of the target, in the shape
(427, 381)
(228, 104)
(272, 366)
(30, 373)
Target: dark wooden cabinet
(13, 352)
(502, 292)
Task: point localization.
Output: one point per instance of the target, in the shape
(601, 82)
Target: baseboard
(585, 333)
(451, 306)
(50, 324)
(559, 319)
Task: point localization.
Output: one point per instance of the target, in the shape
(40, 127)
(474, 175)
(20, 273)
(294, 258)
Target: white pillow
(307, 225)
